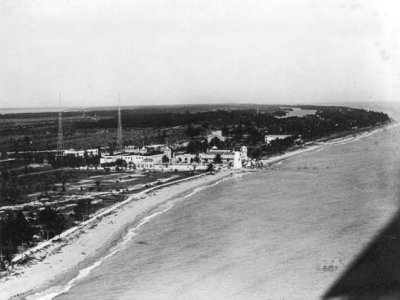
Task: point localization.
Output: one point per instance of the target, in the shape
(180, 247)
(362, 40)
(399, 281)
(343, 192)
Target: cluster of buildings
(81, 153)
(163, 156)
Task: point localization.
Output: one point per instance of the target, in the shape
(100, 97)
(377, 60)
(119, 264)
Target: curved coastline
(343, 138)
(70, 278)
(100, 240)
(93, 241)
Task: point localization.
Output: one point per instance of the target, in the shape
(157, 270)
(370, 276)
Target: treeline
(143, 109)
(277, 146)
(73, 161)
(133, 119)
(326, 120)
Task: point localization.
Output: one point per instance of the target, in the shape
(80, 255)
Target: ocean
(284, 233)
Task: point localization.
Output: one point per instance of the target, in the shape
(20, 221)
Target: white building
(243, 153)
(134, 149)
(81, 153)
(160, 148)
(150, 149)
(167, 151)
(216, 134)
(237, 160)
(271, 137)
(138, 159)
(226, 155)
(184, 158)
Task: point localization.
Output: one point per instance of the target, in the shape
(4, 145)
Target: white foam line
(53, 292)
(318, 146)
(357, 137)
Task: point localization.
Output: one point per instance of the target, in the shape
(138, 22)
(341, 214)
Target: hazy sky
(173, 52)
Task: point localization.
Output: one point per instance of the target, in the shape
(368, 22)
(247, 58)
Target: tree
(60, 176)
(216, 142)
(197, 147)
(257, 152)
(111, 147)
(15, 230)
(63, 182)
(52, 221)
(218, 159)
(121, 163)
(82, 210)
(165, 159)
(98, 185)
(10, 189)
(131, 165)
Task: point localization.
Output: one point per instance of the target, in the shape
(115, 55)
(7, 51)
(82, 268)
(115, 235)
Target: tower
(119, 132)
(60, 138)
(237, 160)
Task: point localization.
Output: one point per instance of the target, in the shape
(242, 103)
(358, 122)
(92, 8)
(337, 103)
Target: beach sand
(77, 250)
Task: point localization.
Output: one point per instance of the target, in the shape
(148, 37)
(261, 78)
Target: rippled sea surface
(284, 233)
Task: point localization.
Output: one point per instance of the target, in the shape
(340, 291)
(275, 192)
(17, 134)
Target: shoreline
(339, 138)
(62, 262)
(58, 262)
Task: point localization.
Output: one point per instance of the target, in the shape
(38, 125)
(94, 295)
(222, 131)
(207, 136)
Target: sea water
(284, 233)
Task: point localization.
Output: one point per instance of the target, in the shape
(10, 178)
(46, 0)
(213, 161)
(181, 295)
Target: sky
(206, 51)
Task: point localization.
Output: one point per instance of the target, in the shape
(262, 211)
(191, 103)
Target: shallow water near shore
(287, 232)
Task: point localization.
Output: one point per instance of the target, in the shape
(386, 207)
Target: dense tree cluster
(82, 210)
(73, 161)
(197, 146)
(52, 222)
(10, 190)
(15, 231)
(18, 232)
(327, 120)
(277, 146)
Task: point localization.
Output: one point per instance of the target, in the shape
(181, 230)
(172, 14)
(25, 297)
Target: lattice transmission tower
(119, 132)
(60, 138)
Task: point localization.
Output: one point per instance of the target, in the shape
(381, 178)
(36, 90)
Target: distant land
(245, 124)
(59, 169)
(171, 107)
(18, 110)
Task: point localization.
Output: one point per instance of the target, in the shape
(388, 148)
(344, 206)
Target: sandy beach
(63, 260)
